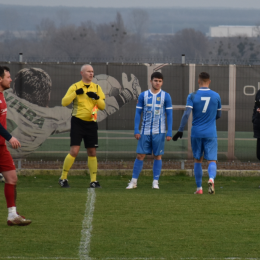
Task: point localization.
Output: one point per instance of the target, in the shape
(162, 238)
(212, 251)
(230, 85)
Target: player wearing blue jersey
(205, 105)
(155, 104)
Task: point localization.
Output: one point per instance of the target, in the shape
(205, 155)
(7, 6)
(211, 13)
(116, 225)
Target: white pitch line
(38, 258)
(84, 246)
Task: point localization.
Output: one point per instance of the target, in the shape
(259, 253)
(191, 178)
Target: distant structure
(233, 31)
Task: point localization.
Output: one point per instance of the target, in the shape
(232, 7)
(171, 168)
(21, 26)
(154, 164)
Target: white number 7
(207, 99)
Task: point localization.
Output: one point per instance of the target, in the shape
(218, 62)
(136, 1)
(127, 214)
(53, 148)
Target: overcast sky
(251, 4)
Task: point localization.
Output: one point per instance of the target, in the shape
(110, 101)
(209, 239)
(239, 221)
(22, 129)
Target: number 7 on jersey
(207, 99)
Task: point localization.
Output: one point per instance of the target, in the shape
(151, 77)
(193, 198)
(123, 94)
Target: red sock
(10, 195)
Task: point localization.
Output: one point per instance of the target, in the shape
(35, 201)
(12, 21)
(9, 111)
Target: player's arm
(184, 120)
(99, 97)
(6, 135)
(256, 106)
(138, 112)
(219, 111)
(71, 95)
(168, 108)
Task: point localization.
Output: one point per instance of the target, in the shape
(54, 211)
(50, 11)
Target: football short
(86, 130)
(208, 146)
(6, 160)
(149, 144)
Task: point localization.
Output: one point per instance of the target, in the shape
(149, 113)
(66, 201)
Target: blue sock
(157, 167)
(138, 166)
(212, 170)
(198, 174)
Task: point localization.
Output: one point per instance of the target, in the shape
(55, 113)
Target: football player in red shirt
(7, 167)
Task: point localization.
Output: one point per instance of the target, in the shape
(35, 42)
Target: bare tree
(192, 43)
(75, 41)
(237, 48)
(139, 21)
(63, 16)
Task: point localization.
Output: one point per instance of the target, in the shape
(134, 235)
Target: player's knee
(91, 152)
(140, 156)
(74, 152)
(11, 178)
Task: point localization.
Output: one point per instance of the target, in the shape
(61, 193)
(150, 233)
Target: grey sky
(250, 4)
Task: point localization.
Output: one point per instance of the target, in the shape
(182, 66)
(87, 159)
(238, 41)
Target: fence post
(232, 112)
(182, 165)
(183, 59)
(192, 68)
(20, 57)
(19, 164)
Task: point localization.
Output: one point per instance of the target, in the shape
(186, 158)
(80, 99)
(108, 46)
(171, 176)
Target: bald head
(86, 66)
(87, 73)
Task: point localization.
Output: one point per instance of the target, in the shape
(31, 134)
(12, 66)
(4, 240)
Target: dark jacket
(256, 116)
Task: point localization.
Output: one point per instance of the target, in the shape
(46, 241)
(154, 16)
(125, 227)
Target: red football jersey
(3, 113)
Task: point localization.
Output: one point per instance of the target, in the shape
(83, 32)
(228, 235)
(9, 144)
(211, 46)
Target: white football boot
(155, 184)
(132, 185)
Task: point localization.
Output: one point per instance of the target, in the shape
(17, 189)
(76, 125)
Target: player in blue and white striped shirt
(206, 107)
(154, 104)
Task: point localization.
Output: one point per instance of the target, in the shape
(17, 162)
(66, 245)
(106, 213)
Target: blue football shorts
(149, 144)
(208, 146)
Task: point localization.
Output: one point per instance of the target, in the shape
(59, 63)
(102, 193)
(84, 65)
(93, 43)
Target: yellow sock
(92, 165)
(68, 162)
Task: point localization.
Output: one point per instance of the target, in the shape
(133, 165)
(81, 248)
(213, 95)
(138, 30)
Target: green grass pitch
(170, 223)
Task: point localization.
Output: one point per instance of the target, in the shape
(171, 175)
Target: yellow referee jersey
(82, 104)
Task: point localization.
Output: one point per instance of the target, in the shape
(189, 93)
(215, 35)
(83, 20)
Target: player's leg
(158, 142)
(7, 168)
(144, 146)
(258, 148)
(197, 149)
(138, 166)
(67, 164)
(92, 165)
(91, 143)
(75, 141)
(211, 155)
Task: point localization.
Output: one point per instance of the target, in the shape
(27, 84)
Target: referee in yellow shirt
(87, 98)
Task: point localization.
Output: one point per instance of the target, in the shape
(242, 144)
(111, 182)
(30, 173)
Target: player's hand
(15, 143)
(137, 136)
(177, 135)
(168, 138)
(79, 91)
(93, 95)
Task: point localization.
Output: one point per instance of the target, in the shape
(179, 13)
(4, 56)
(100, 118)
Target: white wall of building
(232, 31)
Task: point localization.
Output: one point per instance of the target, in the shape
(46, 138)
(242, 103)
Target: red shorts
(6, 160)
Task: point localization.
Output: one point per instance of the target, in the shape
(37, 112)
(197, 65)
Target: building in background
(233, 31)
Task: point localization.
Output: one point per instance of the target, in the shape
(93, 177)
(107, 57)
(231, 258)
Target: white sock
(12, 213)
(211, 180)
(155, 181)
(200, 188)
(134, 180)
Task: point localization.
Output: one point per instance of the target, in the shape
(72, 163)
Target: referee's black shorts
(86, 130)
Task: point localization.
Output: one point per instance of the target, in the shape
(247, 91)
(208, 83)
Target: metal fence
(44, 129)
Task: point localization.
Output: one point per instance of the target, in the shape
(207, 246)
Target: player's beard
(154, 87)
(5, 86)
